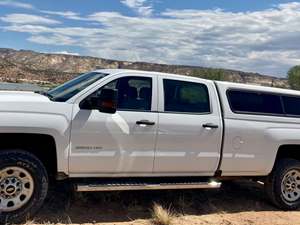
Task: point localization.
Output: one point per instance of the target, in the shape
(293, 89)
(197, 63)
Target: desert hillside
(51, 69)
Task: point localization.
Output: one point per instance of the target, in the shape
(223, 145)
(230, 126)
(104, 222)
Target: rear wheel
(283, 184)
(23, 185)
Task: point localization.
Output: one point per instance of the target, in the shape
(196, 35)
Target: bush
(294, 77)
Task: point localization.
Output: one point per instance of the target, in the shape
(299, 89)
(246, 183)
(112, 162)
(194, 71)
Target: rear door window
(183, 96)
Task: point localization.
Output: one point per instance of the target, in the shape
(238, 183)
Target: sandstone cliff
(50, 69)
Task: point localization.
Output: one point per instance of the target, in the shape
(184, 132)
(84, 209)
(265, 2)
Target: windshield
(67, 90)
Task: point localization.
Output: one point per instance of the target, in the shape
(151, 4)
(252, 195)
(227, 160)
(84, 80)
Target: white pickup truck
(129, 130)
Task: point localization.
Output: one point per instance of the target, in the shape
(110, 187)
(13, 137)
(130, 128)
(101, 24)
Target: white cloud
(64, 31)
(19, 18)
(142, 7)
(65, 53)
(66, 14)
(16, 4)
(265, 41)
(213, 38)
(55, 39)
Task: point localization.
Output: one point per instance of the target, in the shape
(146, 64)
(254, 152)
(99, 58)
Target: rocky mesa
(51, 69)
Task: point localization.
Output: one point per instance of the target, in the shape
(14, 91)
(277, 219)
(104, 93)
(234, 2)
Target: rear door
(190, 126)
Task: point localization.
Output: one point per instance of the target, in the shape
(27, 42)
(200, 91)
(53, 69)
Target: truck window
(134, 93)
(69, 89)
(182, 96)
(291, 105)
(254, 102)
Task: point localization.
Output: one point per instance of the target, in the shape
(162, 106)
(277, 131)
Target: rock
(57, 68)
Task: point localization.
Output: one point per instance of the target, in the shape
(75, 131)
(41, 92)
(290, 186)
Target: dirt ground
(235, 203)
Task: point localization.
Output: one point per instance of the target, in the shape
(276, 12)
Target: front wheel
(23, 185)
(283, 184)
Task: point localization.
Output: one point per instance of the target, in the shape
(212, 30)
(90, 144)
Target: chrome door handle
(145, 122)
(210, 125)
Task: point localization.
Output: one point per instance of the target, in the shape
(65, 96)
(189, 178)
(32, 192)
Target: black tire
(273, 187)
(30, 163)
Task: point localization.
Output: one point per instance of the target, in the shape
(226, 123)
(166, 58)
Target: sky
(250, 35)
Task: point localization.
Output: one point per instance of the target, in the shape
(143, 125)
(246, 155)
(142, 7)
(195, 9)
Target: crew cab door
(123, 142)
(190, 127)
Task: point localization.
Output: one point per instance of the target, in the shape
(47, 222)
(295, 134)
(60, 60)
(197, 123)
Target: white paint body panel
(122, 145)
(251, 142)
(28, 112)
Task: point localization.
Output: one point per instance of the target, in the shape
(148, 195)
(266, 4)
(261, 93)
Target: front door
(123, 142)
(190, 127)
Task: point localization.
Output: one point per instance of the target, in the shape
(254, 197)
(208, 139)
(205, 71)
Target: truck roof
(224, 84)
(231, 85)
(116, 71)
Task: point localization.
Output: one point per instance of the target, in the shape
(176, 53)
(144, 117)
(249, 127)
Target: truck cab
(155, 131)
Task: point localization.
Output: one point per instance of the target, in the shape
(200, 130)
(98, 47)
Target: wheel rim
(16, 188)
(290, 185)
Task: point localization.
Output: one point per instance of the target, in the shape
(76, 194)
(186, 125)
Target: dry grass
(162, 216)
(32, 222)
(29, 222)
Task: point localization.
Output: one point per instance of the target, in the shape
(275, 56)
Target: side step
(119, 186)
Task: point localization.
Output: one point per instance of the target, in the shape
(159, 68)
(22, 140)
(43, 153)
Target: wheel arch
(287, 151)
(43, 146)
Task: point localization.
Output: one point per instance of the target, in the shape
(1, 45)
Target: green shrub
(294, 77)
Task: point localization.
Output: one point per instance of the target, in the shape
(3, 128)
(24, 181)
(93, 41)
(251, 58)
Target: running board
(145, 186)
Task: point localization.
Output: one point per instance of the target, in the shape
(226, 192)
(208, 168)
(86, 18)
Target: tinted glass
(182, 96)
(254, 102)
(134, 93)
(67, 90)
(291, 105)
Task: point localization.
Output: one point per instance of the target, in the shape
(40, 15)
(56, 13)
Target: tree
(294, 77)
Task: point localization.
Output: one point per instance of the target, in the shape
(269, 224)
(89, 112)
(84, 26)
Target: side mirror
(105, 102)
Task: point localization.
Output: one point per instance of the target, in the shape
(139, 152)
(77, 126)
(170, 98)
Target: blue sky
(251, 35)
